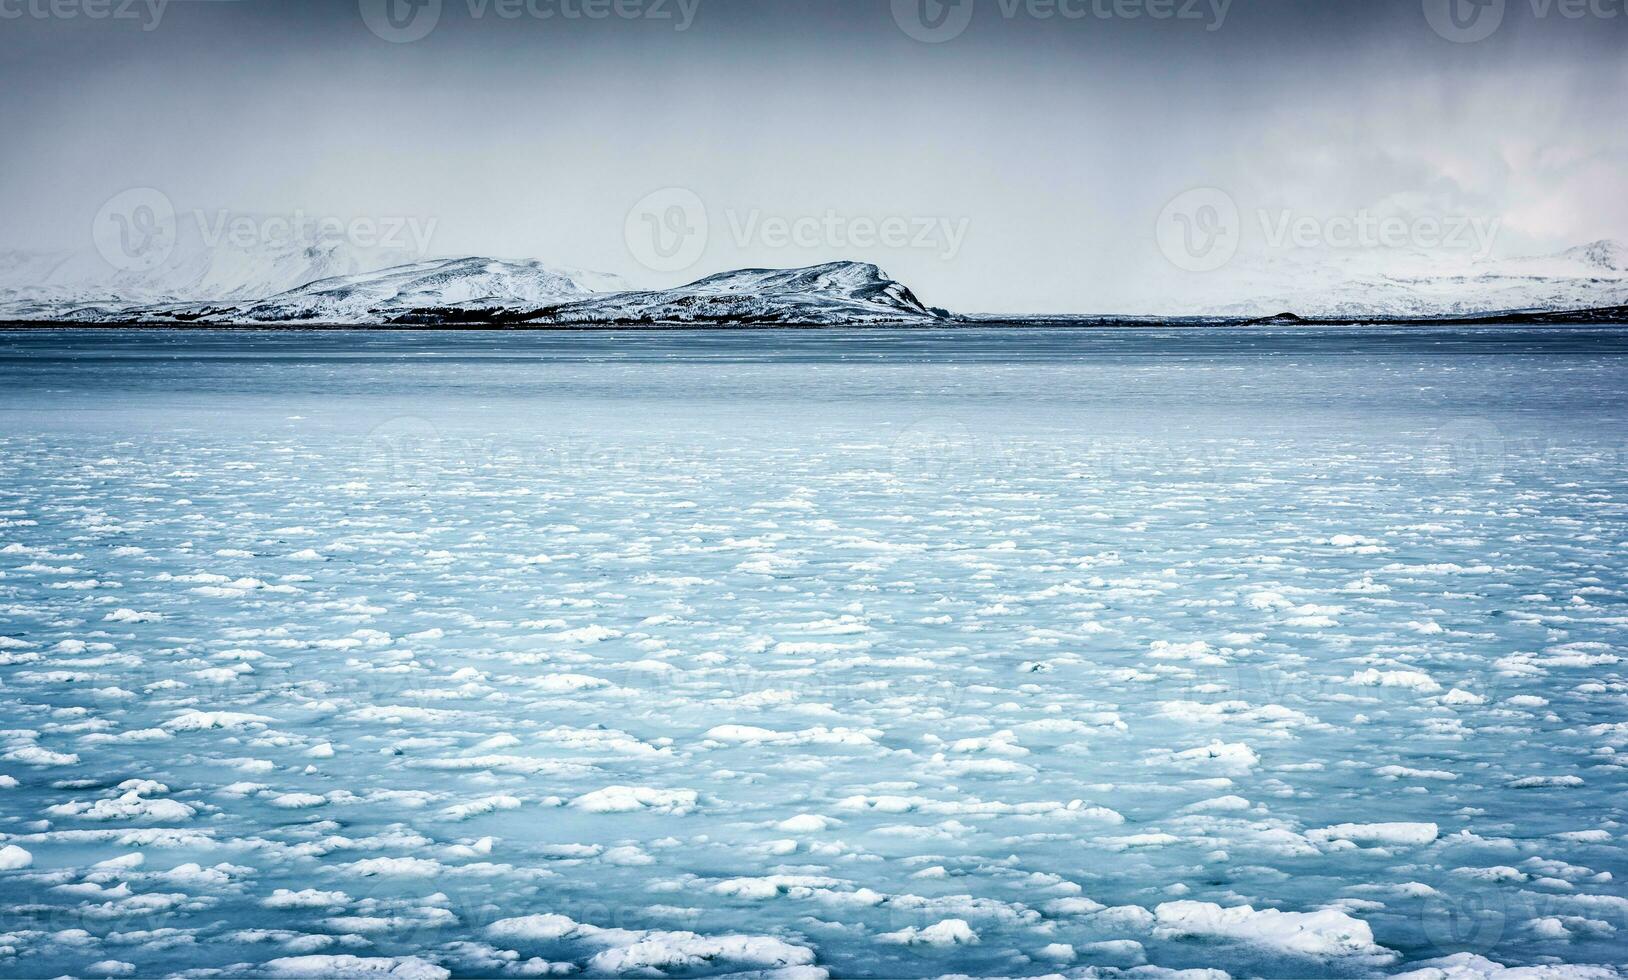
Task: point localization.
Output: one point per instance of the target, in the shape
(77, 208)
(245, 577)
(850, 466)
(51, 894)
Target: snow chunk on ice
(1226, 758)
(305, 898)
(1412, 679)
(33, 755)
(1197, 652)
(773, 886)
(1469, 966)
(1321, 934)
(132, 616)
(1404, 772)
(819, 735)
(950, 932)
(641, 952)
(1155, 839)
(675, 951)
(628, 799)
(536, 928)
(475, 808)
(13, 857)
(1544, 782)
(1412, 834)
(347, 966)
(132, 803)
(199, 721)
(804, 823)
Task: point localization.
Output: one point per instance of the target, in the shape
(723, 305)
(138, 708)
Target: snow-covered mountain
(331, 282)
(453, 287)
(201, 268)
(834, 293)
(1387, 283)
(486, 290)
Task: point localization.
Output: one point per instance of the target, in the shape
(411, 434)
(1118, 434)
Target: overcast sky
(1029, 157)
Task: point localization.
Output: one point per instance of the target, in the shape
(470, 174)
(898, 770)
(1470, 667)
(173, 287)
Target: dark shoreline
(1606, 316)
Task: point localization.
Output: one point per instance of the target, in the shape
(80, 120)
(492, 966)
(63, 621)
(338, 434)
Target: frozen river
(1097, 652)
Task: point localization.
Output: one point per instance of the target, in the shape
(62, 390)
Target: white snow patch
(201, 721)
(1411, 679)
(654, 952)
(13, 857)
(1327, 933)
(350, 967)
(1469, 966)
(949, 932)
(132, 616)
(629, 799)
(1409, 834)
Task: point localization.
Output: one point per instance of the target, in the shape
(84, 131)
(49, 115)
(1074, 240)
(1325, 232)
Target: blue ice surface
(1279, 652)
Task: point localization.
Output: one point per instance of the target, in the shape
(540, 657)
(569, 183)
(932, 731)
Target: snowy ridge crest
(334, 283)
(837, 292)
(317, 285)
(1365, 286)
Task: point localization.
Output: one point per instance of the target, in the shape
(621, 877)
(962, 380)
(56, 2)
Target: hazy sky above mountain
(1022, 165)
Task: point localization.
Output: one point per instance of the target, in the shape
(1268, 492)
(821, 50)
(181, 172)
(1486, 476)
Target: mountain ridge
(1366, 286)
(478, 289)
(249, 286)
